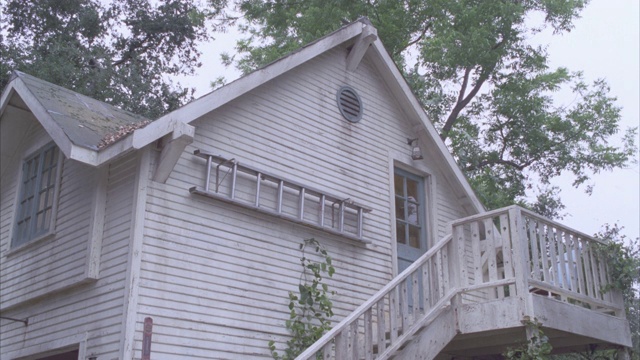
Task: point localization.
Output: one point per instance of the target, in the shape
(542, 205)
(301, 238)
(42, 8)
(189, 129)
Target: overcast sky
(604, 44)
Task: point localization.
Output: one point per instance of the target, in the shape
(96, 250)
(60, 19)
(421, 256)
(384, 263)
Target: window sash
(36, 204)
(410, 209)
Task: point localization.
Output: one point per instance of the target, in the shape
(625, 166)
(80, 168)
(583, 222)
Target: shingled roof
(87, 122)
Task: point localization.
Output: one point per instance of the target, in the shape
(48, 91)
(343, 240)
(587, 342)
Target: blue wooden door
(410, 209)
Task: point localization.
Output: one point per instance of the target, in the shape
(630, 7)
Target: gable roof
(361, 34)
(80, 125)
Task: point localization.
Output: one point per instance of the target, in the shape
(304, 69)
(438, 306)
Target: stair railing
(380, 326)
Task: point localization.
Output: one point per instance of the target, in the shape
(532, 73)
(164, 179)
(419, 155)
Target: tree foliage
(485, 86)
(121, 52)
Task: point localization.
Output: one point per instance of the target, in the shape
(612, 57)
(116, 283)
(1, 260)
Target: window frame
(21, 238)
(422, 202)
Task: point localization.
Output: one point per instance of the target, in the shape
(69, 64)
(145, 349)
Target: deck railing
(502, 253)
(522, 252)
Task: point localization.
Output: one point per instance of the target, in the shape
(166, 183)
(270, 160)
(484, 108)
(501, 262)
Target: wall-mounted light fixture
(416, 153)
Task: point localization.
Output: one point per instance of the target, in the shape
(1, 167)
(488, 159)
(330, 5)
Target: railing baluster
(476, 255)
(415, 296)
(382, 329)
(544, 251)
(577, 258)
(404, 304)
(492, 266)
(394, 314)
(426, 287)
(352, 346)
(507, 251)
(571, 264)
(562, 254)
(588, 273)
(368, 335)
(327, 351)
(533, 245)
(553, 252)
(341, 344)
(445, 270)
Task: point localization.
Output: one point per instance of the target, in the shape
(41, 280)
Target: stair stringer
(432, 338)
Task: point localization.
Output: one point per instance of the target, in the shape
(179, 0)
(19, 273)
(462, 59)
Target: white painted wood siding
(51, 264)
(215, 276)
(89, 313)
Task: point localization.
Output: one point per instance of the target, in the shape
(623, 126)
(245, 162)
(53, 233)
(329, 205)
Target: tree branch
(509, 163)
(413, 42)
(462, 102)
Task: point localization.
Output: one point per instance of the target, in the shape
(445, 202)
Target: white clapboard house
(178, 238)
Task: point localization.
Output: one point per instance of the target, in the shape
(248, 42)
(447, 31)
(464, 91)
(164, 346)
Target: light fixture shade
(416, 153)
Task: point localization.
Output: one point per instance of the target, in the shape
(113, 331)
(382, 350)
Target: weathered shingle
(87, 122)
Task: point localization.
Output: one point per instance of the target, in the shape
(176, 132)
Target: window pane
(399, 209)
(413, 213)
(401, 233)
(414, 236)
(412, 190)
(398, 183)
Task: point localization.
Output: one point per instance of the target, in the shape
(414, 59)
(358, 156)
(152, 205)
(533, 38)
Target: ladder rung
(280, 190)
(301, 203)
(258, 177)
(208, 179)
(322, 200)
(233, 180)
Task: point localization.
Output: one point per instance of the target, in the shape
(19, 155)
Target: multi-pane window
(409, 199)
(38, 191)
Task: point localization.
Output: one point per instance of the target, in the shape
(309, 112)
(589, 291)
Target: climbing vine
(537, 348)
(311, 307)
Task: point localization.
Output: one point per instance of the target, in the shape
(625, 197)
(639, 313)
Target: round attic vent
(349, 104)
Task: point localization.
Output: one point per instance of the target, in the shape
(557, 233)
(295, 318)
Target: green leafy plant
(623, 261)
(311, 308)
(537, 348)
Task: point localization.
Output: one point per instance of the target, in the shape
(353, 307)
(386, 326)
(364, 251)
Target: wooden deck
(475, 291)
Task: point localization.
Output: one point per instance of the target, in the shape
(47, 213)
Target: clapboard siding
(91, 312)
(228, 269)
(54, 263)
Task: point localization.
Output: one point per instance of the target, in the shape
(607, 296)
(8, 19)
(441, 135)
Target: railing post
(520, 251)
(457, 259)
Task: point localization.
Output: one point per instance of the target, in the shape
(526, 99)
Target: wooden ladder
(347, 217)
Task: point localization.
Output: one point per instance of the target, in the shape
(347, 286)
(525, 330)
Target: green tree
(121, 52)
(485, 87)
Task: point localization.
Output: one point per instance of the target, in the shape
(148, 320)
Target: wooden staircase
(494, 272)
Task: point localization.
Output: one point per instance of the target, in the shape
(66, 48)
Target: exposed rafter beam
(175, 143)
(369, 34)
